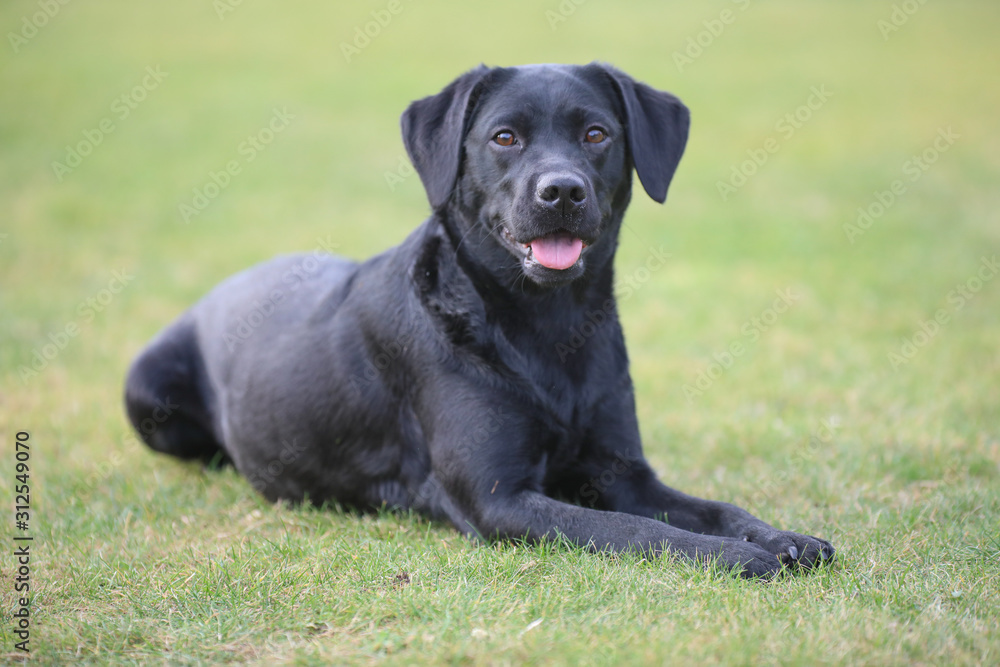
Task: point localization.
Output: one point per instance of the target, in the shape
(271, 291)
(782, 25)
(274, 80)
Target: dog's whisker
(464, 236)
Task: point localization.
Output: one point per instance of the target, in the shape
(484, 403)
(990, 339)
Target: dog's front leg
(532, 516)
(719, 518)
(490, 464)
(634, 488)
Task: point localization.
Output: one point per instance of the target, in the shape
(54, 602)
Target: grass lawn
(868, 412)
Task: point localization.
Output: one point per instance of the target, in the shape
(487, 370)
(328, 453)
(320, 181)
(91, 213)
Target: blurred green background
(815, 426)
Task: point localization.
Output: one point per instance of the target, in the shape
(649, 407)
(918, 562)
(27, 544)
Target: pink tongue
(558, 251)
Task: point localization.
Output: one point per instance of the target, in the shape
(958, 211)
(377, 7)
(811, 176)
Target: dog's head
(537, 161)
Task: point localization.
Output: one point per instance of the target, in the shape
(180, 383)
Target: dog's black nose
(562, 191)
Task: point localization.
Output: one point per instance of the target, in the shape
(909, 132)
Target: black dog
(428, 377)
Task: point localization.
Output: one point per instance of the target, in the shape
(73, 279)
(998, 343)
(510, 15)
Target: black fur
(429, 377)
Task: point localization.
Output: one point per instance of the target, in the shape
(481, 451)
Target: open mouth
(559, 250)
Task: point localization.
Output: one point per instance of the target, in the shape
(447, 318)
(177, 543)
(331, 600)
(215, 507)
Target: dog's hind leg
(168, 398)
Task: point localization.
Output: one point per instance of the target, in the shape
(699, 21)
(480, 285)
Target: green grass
(140, 559)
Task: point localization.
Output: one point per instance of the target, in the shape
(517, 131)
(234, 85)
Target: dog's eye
(596, 135)
(504, 138)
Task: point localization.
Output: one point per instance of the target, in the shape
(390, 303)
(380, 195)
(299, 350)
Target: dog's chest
(563, 394)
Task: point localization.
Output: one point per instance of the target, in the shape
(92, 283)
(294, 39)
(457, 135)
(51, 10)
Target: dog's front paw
(748, 560)
(791, 548)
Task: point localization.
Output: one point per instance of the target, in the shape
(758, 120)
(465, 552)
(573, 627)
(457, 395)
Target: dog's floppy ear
(657, 126)
(433, 130)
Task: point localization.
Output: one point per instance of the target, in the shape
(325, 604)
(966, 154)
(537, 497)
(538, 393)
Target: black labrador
(429, 377)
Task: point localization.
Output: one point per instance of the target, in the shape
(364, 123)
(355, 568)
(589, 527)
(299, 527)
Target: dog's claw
(794, 553)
